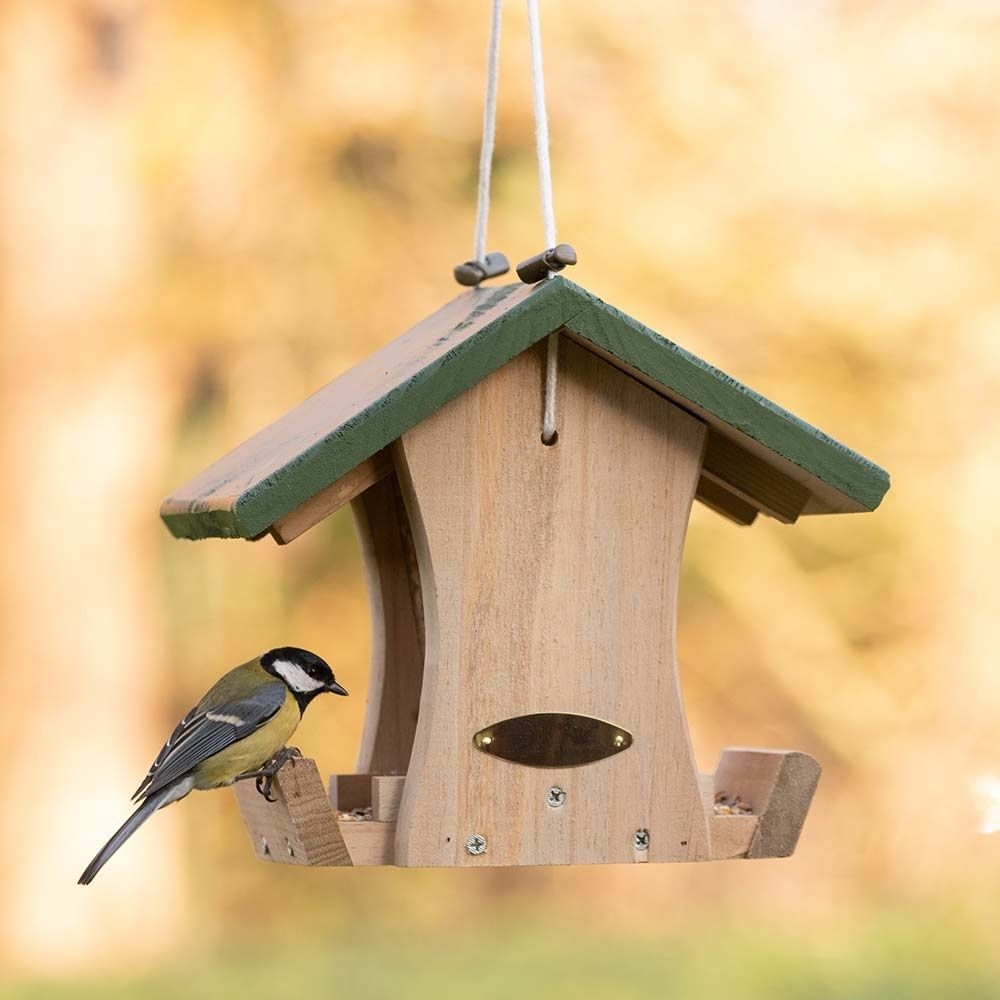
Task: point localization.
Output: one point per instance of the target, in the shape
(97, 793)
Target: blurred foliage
(892, 954)
(801, 193)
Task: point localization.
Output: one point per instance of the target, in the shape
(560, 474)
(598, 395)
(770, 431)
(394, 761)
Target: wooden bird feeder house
(525, 705)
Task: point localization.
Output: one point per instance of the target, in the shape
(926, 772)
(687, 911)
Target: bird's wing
(203, 732)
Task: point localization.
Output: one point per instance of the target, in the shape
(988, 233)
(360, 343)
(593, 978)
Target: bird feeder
(525, 704)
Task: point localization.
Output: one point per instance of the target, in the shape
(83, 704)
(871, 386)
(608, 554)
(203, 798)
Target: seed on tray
(731, 805)
(356, 815)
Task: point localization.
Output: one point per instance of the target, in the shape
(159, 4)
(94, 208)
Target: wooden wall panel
(550, 580)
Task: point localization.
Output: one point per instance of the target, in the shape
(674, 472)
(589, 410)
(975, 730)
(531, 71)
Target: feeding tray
(355, 823)
(524, 705)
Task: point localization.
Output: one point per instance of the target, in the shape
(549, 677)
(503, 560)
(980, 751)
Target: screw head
(476, 844)
(556, 797)
(640, 840)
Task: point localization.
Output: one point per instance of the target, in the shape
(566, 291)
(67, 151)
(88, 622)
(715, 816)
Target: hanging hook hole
(549, 442)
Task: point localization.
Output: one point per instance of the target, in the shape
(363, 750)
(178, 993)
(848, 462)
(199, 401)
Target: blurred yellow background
(210, 208)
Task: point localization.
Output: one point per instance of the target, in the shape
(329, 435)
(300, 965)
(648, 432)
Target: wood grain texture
(369, 843)
(397, 619)
(300, 827)
(350, 791)
(823, 498)
(751, 479)
(550, 581)
(716, 497)
(379, 792)
(779, 785)
(361, 412)
(331, 499)
(706, 785)
(732, 836)
(387, 792)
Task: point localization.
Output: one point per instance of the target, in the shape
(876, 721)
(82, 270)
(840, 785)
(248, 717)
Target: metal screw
(640, 840)
(289, 848)
(476, 844)
(556, 797)
(264, 848)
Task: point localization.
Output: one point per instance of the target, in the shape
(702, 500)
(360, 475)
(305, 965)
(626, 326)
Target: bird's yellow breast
(251, 752)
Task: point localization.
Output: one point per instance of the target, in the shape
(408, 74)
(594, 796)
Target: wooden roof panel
(374, 403)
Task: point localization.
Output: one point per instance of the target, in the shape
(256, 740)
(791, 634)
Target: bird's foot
(263, 785)
(266, 775)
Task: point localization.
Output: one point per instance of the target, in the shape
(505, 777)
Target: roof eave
(454, 349)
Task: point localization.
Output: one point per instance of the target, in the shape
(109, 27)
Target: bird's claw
(265, 779)
(263, 783)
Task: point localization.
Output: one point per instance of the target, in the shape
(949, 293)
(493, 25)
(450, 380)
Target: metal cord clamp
(472, 272)
(539, 267)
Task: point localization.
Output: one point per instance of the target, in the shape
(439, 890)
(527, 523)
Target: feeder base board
(305, 825)
(368, 841)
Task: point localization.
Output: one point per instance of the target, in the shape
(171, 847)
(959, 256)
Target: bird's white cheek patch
(296, 678)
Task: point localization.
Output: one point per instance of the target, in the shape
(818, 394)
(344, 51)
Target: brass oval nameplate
(552, 739)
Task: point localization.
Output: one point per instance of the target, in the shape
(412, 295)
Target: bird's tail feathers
(173, 792)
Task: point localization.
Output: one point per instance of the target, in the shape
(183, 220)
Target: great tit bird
(238, 730)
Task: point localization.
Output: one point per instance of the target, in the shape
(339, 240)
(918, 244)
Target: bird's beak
(337, 688)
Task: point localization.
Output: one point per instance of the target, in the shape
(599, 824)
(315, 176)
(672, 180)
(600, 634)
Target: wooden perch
(300, 826)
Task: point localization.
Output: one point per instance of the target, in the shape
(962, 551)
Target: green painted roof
(246, 491)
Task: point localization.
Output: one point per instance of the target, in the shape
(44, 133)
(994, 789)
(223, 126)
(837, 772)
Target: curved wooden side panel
(550, 579)
(397, 629)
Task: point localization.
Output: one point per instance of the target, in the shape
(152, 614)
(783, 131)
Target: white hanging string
(541, 124)
(489, 133)
(549, 432)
